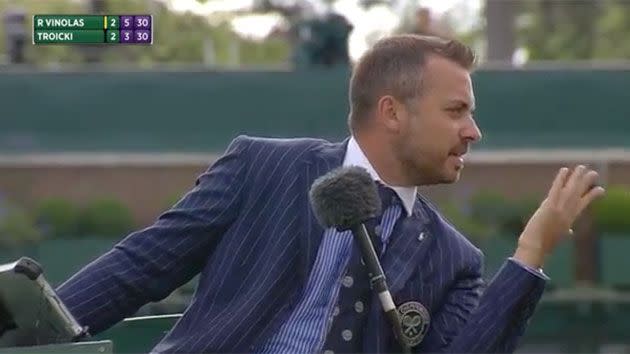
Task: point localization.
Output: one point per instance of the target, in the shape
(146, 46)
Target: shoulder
(275, 158)
(450, 234)
(266, 145)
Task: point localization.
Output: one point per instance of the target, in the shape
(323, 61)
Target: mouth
(459, 159)
(459, 155)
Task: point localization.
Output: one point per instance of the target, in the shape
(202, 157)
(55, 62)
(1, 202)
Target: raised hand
(570, 193)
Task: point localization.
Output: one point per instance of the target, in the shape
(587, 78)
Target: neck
(380, 154)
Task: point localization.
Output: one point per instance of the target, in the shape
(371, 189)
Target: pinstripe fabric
(306, 328)
(247, 228)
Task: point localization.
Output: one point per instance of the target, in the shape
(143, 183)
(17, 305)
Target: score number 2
(112, 36)
(113, 22)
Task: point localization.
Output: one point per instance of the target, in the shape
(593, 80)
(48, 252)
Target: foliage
(520, 212)
(178, 38)
(564, 30)
(17, 228)
(60, 218)
(611, 213)
(489, 207)
(57, 218)
(491, 213)
(33, 7)
(105, 218)
(467, 225)
(506, 216)
(575, 30)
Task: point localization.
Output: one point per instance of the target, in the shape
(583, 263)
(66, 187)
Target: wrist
(531, 255)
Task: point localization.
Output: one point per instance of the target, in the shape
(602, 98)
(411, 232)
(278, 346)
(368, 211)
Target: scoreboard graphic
(93, 29)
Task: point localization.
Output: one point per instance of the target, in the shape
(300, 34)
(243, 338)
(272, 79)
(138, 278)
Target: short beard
(408, 158)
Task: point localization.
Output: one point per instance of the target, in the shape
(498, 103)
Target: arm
(494, 321)
(149, 264)
(470, 322)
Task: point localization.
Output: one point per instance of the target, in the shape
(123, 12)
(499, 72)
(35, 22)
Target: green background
(204, 110)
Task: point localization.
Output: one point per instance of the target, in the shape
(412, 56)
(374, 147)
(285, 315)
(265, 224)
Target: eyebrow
(458, 101)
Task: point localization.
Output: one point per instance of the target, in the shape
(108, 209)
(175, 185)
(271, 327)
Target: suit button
(358, 306)
(329, 352)
(347, 281)
(346, 334)
(336, 311)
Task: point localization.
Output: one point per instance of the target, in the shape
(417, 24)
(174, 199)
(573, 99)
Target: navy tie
(389, 198)
(346, 330)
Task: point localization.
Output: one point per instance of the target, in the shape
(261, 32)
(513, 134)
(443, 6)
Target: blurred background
(97, 141)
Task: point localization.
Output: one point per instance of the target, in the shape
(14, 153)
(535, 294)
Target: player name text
(55, 36)
(60, 22)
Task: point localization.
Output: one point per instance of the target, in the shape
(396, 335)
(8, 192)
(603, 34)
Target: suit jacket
(248, 228)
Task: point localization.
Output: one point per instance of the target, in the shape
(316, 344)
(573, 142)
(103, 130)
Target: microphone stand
(378, 282)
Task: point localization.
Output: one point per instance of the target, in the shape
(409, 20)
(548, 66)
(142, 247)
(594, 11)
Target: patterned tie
(391, 211)
(350, 315)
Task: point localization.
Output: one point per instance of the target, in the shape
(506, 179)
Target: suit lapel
(323, 159)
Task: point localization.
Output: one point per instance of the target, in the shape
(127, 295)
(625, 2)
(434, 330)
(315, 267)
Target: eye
(456, 110)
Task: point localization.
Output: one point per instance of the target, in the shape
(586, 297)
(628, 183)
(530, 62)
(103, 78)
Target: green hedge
(106, 218)
(58, 218)
(611, 213)
(17, 227)
(488, 214)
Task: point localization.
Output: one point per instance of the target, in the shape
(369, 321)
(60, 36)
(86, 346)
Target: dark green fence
(203, 111)
(578, 326)
(53, 256)
(568, 320)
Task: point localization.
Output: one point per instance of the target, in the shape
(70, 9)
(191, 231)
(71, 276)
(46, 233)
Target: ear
(390, 113)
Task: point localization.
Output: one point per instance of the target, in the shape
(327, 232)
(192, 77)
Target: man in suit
(274, 281)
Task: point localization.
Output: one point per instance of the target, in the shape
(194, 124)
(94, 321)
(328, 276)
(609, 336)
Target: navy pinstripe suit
(248, 228)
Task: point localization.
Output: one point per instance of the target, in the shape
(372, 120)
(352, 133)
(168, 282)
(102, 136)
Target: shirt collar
(356, 157)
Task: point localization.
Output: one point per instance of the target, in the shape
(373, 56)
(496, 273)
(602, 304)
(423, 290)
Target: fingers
(588, 182)
(558, 184)
(589, 197)
(575, 182)
(580, 182)
(575, 189)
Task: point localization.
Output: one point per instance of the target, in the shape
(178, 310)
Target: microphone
(345, 198)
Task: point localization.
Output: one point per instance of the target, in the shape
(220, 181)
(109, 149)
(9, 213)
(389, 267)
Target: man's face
(437, 127)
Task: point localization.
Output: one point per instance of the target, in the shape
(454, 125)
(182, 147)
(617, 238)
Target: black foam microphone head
(345, 197)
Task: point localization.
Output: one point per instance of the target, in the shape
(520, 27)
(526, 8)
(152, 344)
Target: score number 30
(141, 22)
(139, 36)
(127, 36)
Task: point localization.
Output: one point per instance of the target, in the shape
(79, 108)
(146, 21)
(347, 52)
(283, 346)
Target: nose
(471, 131)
